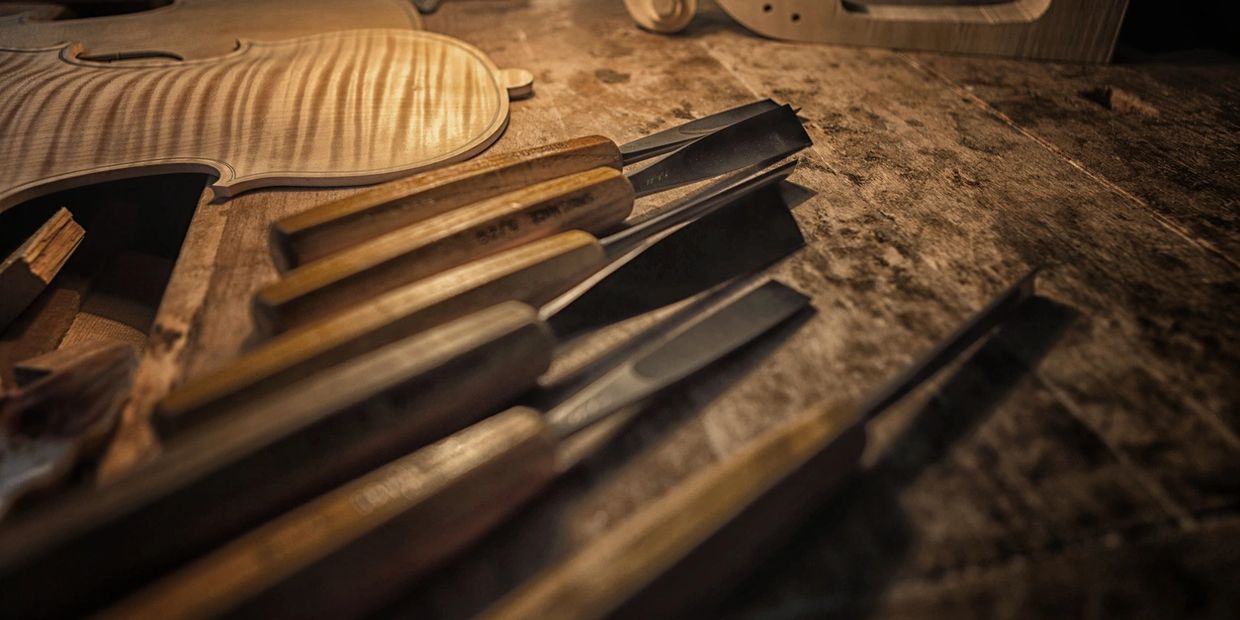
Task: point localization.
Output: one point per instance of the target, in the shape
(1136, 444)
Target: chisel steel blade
(769, 136)
(739, 238)
(950, 348)
(656, 144)
(706, 338)
(695, 205)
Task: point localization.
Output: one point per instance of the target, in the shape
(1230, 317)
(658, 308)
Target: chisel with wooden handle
(749, 232)
(277, 452)
(336, 225)
(595, 200)
(349, 551)
(711, 529)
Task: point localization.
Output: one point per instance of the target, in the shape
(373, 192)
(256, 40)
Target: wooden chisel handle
(706, 532)
(333, 226)
(349, 551)
(533, 273)
(279, 452)
(593, 200)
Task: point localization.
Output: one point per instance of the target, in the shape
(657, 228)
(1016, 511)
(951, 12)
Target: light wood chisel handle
(347, 552)
(333, 226)
(533, 273)
(593, 200)
(703, 534)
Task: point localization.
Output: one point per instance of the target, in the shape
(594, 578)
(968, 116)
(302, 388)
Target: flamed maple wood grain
(333, 109)
(195, 29)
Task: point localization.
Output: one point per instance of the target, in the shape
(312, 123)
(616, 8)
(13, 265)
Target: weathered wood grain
(197, 29)
(1164, 130)
(341, 108)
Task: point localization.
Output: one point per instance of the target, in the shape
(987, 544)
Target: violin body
(332, 109)
(196, 29)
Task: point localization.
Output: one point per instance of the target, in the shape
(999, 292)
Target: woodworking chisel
(88, 548)
(749, 231)
(333, 226)
(348, 551)
(596, 200)
(710, 529)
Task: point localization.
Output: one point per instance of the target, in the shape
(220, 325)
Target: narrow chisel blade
(737, 239)
(695, 205)
(702, 340)
(769, 136)
(978, 326)
(656, 144)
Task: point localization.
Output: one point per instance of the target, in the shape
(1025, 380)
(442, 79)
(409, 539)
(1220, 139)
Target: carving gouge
(593, 201)
(755, 229)
(709, 529)
(336, 225)
(347, 552)
(279, 451)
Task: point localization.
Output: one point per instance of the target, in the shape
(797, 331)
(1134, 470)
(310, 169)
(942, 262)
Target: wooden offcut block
(31, 267)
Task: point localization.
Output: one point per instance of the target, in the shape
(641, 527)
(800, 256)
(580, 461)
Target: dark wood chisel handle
(333, 226)
(593, 201)
(533, 273)
(276, 453)
(705, 532)
(350, 550)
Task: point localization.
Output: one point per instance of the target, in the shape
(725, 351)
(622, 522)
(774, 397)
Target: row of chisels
(395, 414)
(364, 437)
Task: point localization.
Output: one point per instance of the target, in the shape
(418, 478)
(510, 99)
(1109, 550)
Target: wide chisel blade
(656, 144)
(740, 238)
(705, 339)
(769, 136)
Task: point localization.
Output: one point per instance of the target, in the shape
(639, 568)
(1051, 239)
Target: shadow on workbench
(853, 543)
(545, 532)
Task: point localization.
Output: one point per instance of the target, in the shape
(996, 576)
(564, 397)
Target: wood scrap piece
(43, 325)
(62, 360)
(31, 267)
(47, 426)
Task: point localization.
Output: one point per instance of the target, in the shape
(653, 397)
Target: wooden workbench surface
(1104, 482)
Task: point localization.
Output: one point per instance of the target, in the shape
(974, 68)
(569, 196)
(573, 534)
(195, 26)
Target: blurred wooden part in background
(196, 29)
(65, 409)
(14, 11)
(666, 16)
(31, 267)
(1069, 30)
